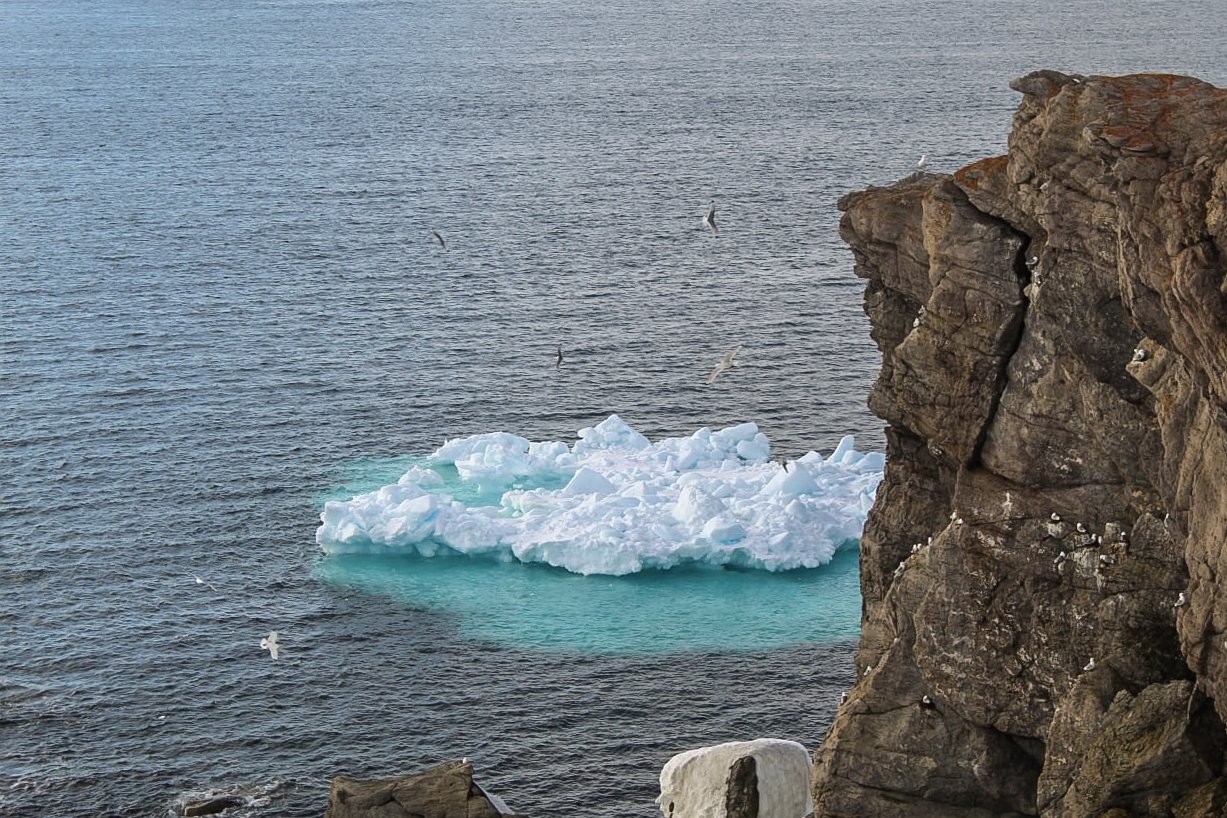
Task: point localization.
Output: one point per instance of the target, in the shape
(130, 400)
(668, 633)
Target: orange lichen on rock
(973, 176)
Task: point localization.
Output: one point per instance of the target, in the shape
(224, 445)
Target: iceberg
(615, 503)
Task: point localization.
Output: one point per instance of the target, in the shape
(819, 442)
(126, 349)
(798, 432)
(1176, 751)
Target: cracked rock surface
(1053, 329)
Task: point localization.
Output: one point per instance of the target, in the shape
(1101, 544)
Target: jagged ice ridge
(627, 504)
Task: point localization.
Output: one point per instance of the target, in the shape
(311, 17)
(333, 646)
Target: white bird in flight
(728, 363)
(269, 643)
(710, 218)
(200, 581)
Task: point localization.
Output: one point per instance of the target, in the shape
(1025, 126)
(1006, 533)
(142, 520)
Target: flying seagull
(269, 643)
(710, 218)
(200, 581)
(439, 239)
(558, 360)
(728, 363)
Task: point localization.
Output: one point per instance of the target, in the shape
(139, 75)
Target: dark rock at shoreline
(445, 791)
(212, 806)
(1053, 325)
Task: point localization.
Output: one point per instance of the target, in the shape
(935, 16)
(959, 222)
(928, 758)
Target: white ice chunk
(723, 529)
(417, 476)
(612, 432)
(615, 503)
(586, 481)
(872, 461)
(754, 451)
(466, 447)
(846, 447)
(790, 483)
(695, 507)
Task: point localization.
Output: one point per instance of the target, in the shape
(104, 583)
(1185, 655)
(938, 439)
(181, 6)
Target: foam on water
(615, 503)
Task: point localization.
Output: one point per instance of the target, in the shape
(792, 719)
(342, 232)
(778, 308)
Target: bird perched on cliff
(1090, 665)
(439, 239)
(269, 643)
(1059, 561)
(1056, 518)
(1181, 600)
(923, 162)
(726, 364)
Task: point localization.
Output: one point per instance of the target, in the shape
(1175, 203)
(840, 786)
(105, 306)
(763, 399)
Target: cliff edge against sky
(1042, 624)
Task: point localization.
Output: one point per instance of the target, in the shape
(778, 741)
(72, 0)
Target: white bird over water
(728, 363)
(200, 581)
(710, 218)
(269, 643)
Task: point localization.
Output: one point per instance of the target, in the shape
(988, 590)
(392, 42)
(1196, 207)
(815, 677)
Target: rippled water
(219, 289)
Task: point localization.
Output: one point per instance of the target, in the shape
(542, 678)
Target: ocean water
(220, 301)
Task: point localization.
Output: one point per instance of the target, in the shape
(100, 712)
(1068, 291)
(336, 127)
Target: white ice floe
(615, 503)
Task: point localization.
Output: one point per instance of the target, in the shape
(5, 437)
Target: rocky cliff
(1043, 628)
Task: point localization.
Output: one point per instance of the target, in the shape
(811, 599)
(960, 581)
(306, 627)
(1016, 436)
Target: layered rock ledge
(1043, 627)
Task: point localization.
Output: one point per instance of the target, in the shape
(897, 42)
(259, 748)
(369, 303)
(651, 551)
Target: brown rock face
(1053, 328)
(445, 791)
(741, 789)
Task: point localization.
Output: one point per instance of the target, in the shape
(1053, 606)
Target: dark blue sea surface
(219, 290)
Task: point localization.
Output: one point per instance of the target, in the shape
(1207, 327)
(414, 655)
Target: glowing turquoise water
(681, 610)
(695, 608)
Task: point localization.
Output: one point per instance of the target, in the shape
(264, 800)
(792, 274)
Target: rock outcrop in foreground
(1043, 629)
(445, 791)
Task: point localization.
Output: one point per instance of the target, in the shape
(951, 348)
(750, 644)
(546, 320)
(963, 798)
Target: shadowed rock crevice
(1040, 569)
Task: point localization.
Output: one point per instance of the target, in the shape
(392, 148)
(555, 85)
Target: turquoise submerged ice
(615, 503)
